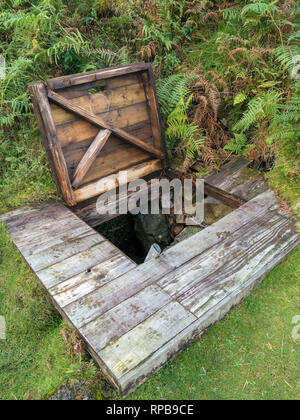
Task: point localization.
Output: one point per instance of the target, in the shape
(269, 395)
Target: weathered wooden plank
(60, 236)
(250, 187)
(236, 249)
(112, 294)
(89, 157)
(36, 219)
(236, 178)
(77, 264)
(114, 157)
(227, 177)
(80, 130)
(114, 83)
(198, 243)
(229, 199)
(152, 103)
(77, 79)
(136, 376)
(138, 344)
(130, 380)
(248, 264)
(101, 103)
(112, 181)
(125, 316)
(39, 92)
(87, 211)
(84, 283)
(101, 123)
(17, 218)
(67, 249)
(42, 233)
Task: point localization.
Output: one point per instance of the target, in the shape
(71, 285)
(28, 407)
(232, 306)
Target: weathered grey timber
(135, 318)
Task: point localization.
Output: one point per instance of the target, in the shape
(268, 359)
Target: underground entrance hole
(135, 234)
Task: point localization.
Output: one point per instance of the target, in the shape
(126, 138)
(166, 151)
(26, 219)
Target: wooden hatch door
(99, 123)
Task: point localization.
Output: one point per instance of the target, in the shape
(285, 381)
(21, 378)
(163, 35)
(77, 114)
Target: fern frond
(171, 90)
(259, 108)
(286, 56)
(260, 8)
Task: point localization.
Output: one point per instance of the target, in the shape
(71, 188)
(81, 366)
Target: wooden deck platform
(135, 318)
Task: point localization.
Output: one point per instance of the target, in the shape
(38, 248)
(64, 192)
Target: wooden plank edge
(134, 378)
(112, 181)
(80, 78)
(90, 156)
(59, 166)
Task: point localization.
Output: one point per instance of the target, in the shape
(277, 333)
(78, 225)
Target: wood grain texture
(153, 109)
(85, 283)
(129, 381)
(85, 89)
(138, 344)
(198, 243)
(78, 79)
(90, 156)
(236, 248)
(112, 294)
(132, 118)
(228, 175)
(236, 178)
(135, 318)
(60, 252)
(245, 264)
(122, 100)
(77, 264)
(87, 210)
(39, 92)
(101, 123)
(100, 103)
(124, 317)
(113, 181)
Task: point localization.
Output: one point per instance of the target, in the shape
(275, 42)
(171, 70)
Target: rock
(209, 216)
(184, 234)
(152, 228)
(176, 229)
(215, 211)
(221, 210)
(72, 390)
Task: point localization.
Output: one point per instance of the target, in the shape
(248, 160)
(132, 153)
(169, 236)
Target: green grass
(248, 355)
(34, 359)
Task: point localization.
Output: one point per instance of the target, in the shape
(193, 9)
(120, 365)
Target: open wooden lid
(98, 123)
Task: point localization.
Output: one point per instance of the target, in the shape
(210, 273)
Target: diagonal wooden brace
(90, 156)
(99, 122)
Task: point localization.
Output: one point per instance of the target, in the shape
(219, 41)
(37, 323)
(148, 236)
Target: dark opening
(120, 231)
(135, 234)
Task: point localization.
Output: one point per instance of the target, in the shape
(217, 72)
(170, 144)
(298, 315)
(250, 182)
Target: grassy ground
(34, 359)
(251, 353)
(248, 355)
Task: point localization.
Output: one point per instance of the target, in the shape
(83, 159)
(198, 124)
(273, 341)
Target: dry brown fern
(207, 100)
(149, 51)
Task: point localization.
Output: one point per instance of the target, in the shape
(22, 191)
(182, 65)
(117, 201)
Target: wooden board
(135, 318)
(74, 108)
(236, 178)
